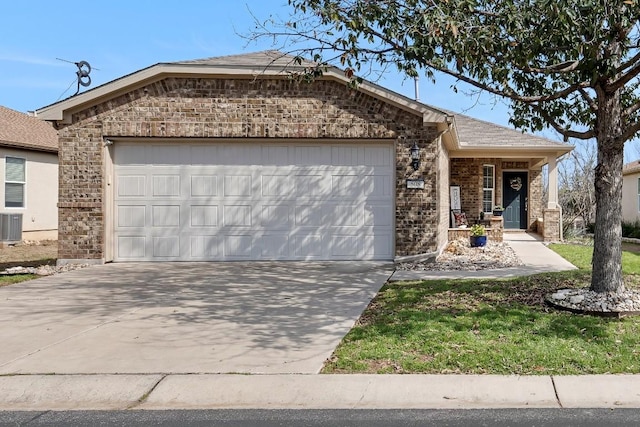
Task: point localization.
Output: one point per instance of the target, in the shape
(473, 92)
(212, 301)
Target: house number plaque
(416, 184)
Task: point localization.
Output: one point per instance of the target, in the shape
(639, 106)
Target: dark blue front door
(514, 196)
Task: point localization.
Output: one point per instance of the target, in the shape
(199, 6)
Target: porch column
(553, 183)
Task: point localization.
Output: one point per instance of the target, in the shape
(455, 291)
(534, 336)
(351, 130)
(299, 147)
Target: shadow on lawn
(507, 305)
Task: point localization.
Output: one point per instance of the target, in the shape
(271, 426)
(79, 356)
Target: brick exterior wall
(467, 173)
(185, 108)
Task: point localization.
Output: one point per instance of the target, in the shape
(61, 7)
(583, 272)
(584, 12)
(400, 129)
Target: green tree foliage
(571, 65)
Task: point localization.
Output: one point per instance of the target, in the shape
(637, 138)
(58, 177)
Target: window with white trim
(488, 188)
(14, 182)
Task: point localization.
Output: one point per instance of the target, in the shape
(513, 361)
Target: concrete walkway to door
(529, 247)
(258, 317)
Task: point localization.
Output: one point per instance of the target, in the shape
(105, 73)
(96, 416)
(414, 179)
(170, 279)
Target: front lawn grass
(10, 280)
(580, 256)
(490, 327)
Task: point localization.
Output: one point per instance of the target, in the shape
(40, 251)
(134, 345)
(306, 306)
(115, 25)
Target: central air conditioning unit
(10, 227)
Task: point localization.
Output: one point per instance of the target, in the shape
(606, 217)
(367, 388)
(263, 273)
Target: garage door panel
(378, 156)
(238, 246)
(131, 186)
(276, 185)
(276, 216)
(165, 185)
(307, 246)
(131, 216)
(345, 246)
(377, 186)
(275, 155)
(274, 246)
(345, 216)
(204, 216)
(166, 246)
(169, 154)
(165, 216)
(204, 154)
(312, 155)
(312, 185)
(131, 247)
(309, 216)
(130, 155)
(205, 247)
(378, 215)
(204, 185)
(237, 185)
(377, 246)
(288, 201)
(237, 216)
(349, 186)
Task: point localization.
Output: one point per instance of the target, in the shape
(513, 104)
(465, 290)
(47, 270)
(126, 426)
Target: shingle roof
(632, 167)
(265, 58)
(23, 131)
(478, 133)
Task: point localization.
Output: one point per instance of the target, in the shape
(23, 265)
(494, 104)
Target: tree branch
(567, 133)
(625, 78)
(585, 95)
(629, 111)
(564, 67)
(630, 131)
(510, 93)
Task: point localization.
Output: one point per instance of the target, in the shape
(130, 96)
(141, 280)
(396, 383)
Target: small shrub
(631, 229)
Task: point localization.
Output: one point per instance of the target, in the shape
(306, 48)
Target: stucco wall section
(183, 108)
(41, 190)
(630, 210)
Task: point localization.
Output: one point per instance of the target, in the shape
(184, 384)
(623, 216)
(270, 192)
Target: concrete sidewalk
(535, 255)
(159, 387)
(207, 391)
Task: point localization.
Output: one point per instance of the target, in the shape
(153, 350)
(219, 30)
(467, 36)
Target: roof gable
(20, 130)
(251, 65)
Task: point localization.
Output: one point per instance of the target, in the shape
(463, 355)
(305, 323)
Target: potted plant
(498, 210)
(478, 237)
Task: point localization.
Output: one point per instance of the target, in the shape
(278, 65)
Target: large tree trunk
(607, 242)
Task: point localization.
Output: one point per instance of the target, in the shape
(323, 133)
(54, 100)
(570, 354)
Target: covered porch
(494, 169)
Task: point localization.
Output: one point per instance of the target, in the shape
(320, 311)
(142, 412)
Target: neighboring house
(29, 169)
(232, 159)
(631, 192)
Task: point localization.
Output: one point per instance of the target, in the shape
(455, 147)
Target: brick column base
(551, 229)
(497, 227)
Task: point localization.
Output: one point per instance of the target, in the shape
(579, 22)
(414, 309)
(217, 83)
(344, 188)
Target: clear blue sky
(120, 37)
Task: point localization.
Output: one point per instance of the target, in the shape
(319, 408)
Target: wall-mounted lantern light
(415, 156)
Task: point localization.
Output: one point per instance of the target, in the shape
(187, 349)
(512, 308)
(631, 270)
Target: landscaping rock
(460, 256)
(585, 301)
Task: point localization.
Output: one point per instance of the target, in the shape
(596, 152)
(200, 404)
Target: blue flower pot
(477, 241)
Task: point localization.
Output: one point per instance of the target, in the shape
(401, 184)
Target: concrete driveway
(284, 317)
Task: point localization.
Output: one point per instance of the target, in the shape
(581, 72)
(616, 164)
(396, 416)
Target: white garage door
(246, 201)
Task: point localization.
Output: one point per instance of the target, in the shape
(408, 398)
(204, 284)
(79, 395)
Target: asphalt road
(360, 418)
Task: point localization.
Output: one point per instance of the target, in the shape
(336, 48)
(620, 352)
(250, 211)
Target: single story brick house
(29, 169)
(230, 158)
